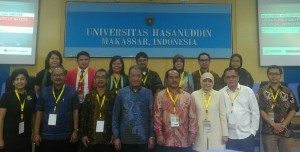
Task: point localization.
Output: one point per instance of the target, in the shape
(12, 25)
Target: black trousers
(57, 146)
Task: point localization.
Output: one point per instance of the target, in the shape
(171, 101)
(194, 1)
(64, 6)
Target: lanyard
(232, 99)
(81, 79)
(145, 78)
(21, 105)
(59, 96)
(102, 103)
(116, 82)
(274, 97)
(174, 101)
(206, 102)
(181, 77)
(201, 73)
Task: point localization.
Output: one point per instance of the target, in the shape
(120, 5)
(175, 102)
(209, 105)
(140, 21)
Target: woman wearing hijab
(186, 79)
(211, 111)
(236, 62)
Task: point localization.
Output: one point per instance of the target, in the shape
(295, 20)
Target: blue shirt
(132, 119)
(64, 122)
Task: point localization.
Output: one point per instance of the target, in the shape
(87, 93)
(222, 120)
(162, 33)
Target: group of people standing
(110, 111)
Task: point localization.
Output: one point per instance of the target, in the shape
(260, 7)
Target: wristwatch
(76, 130)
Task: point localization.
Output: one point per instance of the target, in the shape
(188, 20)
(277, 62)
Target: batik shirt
(185, 109)
(284, 103)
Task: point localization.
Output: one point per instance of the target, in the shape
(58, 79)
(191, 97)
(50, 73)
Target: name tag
(206, 126)
(100, 126)
(52, 119)
(271, 115)
(174, 120)
(231, 121)
(21, 127)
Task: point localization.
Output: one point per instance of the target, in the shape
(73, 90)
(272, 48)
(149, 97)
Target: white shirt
(86, 80)
(245, 111)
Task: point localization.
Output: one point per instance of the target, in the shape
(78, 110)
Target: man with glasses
(277, 108)
(56, 120)
(242, 113)
(204, 61)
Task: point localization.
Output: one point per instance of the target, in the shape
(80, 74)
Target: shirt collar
(79, 70)
(135, 91)
(237, 88)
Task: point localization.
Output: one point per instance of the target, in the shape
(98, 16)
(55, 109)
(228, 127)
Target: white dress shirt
(86, 80)
(245, 111)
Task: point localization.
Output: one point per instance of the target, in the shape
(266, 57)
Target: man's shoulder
(72, 71)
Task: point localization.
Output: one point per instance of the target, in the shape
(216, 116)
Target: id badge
(21, 127)
(81, 98)
(174, 120)
(206, 126)
(52, 119)
(271, 115)
(231, 121)
(100, 126)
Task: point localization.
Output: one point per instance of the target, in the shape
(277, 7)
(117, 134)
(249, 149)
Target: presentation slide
(279, 32)
(18, 28)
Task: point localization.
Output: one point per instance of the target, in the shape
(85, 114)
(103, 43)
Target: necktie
(81, 83)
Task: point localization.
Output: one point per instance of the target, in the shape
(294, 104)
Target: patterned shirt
(90, 114)
(185, 109)
(132, 120)
(197, 76)
(284, 103)
(186, 82)
(152, 81)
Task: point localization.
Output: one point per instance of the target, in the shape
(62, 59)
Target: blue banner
(160, 30)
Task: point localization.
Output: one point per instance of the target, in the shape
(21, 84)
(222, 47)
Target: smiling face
(58, 76)
(20, 82)
(83, 61)
(54, 61)
(178, 64)
(207, 84)
(116, 66)
(135, 78)
(231, 78)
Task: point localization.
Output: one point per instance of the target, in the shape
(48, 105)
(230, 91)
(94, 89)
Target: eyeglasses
(231, 77)
(204, 60)
(274, 74)
(58, 75)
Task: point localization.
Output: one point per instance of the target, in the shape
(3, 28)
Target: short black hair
(141, 54)
(18, 71)
(55, 52)
(203, 54)
(167, 73)
(231, 68)
(274, 67)
(101, 70)
(83, 53)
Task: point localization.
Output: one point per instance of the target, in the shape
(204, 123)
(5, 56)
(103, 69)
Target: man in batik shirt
(277, 108)
(151, 79)
(175, 117)
(96, 115)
